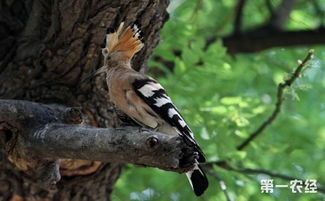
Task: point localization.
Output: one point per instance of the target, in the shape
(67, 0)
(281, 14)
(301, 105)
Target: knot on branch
(152, 142)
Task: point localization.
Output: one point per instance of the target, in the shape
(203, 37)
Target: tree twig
(320, 12)
(221, 182)
(287, 83)
(238, 16)
(262, 38)
(197, 8)
(269, 6)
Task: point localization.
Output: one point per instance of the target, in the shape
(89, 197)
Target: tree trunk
(46, 48)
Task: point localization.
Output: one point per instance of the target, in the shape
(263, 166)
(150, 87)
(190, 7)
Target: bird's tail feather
(198, 180)
(124, 39)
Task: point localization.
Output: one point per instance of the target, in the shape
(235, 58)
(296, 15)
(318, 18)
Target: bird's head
(120, 47)
(113, 58)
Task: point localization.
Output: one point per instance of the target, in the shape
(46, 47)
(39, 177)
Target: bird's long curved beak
(94, 74)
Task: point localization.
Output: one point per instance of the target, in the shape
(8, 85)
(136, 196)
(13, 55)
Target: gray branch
(123, 145)
(36, 135)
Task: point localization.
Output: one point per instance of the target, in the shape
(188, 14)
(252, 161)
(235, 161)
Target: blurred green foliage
(225, 98)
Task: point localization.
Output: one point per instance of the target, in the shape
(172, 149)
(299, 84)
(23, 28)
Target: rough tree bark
(46, 48)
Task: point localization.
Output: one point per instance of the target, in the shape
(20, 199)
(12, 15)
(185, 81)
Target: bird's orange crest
(125, 40)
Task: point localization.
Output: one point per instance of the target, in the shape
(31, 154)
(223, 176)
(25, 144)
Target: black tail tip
(199, 181)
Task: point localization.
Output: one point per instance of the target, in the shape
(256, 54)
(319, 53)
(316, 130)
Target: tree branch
(287, 83)
(122, 145)
(282, 13)
(260, 39)
(36, 135)
(239, 16)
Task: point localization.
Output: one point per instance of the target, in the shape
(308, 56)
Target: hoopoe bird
(142, 98)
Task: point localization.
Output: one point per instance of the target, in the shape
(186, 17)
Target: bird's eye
(104, 51)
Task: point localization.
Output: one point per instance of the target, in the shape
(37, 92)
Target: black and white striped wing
(155, 96)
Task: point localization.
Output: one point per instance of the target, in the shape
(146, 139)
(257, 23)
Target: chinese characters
(296, 186)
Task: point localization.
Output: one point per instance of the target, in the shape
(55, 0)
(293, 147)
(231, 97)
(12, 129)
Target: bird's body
(134, 106)
(143, 99)
(118, 79)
